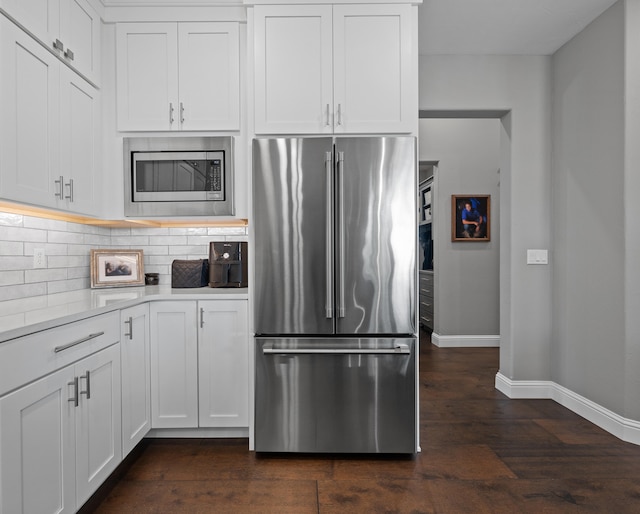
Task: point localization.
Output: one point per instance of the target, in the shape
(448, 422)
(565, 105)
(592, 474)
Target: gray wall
(521, 86)
(589, 348)
(467, 273)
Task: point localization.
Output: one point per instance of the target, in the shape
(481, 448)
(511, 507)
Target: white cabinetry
(223, 364)
(61, 435)
(199, 376)
(174, 364)
(334, 69)
(49, 128)
(136, 381)
(71, 28)
(178, 76)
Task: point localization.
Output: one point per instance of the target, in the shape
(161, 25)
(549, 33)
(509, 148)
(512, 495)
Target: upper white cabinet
(334, 69)
(49, 127)
(178, 76)
(69, 27)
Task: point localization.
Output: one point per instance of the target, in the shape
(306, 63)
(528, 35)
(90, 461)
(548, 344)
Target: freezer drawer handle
(398, 349)
(58, 349)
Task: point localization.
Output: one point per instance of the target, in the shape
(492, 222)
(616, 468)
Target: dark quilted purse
(191, 273)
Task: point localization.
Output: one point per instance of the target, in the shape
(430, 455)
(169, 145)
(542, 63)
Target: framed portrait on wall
(471, 218)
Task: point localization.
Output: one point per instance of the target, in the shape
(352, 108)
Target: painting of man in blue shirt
(472, 220)
(470, 217)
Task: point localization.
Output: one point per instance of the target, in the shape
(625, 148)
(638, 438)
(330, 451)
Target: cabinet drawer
(27, 358)
(426, 320)
(426, 305)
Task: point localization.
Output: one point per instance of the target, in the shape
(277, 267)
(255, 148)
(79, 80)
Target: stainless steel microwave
(178, 176)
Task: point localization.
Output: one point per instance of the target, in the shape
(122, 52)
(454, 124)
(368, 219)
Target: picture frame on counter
(117, 268)
(471, 218)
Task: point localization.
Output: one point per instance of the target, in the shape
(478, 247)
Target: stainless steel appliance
(335, 287)
(178, 176)
(228, 264)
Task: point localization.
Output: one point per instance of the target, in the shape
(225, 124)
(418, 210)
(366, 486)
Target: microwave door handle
(328, 164)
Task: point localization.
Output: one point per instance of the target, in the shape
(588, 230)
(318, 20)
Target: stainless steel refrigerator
(335, 278)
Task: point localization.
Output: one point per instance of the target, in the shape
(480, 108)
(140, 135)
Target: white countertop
(29, 315)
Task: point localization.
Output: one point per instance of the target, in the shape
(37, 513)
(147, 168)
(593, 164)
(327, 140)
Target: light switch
(537, 256)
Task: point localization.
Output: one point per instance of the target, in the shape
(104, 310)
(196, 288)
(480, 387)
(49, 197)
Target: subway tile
(65, 237)
(11, 248)
(79, 250)
(97, 240)
(67, 261)
(22, 291)
(131, 241)
(9, 278)
(150, 232)
(22, 234)
(167, 240)
(188, 231)
(226, 231)
(237, 238)
(155, 250)
(49, 248)
(14, 262)
(189, 250)
(118, 232)
(10, 219)
(78, 272)
(67, 285)
(45, 224)
(44, 275)
(201, 240)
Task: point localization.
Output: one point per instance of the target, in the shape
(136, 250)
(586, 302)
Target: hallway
(481, 452)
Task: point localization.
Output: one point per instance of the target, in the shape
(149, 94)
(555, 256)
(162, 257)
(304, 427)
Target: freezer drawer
(335, 395)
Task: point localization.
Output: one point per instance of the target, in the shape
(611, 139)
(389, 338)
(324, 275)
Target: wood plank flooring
(481, 453)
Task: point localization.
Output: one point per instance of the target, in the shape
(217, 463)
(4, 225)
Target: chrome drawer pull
(130, 323)
(401, 349)
(58, 349)
(75, 398)
(87, 376)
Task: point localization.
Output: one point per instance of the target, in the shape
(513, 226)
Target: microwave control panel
(215, 180)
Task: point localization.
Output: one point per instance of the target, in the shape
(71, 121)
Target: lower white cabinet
(199, 364)
(60, 436)
(136, 381)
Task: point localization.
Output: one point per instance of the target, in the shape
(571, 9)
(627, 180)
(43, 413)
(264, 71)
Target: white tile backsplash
(67, 248)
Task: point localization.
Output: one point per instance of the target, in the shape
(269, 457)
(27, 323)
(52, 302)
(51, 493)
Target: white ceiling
(493, 27)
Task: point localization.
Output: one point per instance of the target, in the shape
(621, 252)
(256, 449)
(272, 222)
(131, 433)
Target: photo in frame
(471, 218)
(117, 268)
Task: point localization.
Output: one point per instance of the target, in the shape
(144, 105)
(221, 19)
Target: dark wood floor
(481, 452)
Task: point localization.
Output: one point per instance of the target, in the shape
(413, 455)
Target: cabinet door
(147, 81)
(98, 420)
(374, 80)
(37, 446)
(136, 381)
(174, 365)
(223, 363)
(79, 146)
(29, 94)
(80, 34)
(293, 69)
(40, 17)
(209, 76)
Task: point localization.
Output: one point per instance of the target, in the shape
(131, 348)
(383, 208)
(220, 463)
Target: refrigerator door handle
(398, 349)
(341, 303)
(328, 163)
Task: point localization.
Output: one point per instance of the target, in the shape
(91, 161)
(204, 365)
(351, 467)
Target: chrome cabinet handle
(341, 303)
(60, 183)
(130, 323)
(328, 122)
(398, 349)
(70, 186)
(170, 112)
(63, 347)
(75, 399)
(181, 112)
(87, 391)
(201, 317)
(69, 54)
(339, 114)
(328, 163)
(57, 45)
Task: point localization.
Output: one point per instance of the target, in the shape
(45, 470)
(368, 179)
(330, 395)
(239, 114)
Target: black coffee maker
(228, 264)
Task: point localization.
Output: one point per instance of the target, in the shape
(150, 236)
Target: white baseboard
(623, 428)
(465, 341)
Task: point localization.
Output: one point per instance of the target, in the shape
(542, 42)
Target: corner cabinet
(199, 364)
(49, 128)
(178, 76)
(334, 69)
